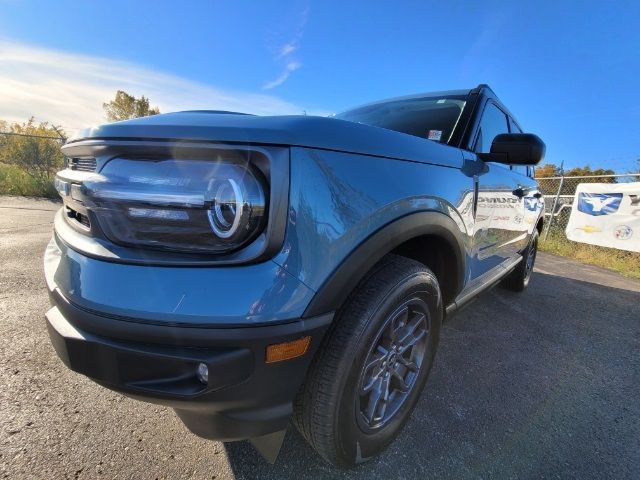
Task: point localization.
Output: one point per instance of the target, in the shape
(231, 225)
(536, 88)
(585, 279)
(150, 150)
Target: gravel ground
(542, 384)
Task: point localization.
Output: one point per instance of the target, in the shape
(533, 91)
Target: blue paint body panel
(338, 200)
(247, 296)
(291, 130)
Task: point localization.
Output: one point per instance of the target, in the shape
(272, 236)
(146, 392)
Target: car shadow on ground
(537, 384)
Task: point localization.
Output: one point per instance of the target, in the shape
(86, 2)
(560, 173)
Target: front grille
(87, 164)
(78, 217)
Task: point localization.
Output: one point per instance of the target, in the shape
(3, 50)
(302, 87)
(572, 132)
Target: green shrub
(30, 156)
(15, 181)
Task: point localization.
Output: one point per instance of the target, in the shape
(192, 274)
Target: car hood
(293, 130)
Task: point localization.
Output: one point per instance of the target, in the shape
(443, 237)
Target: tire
(342, 423)
(519, 279)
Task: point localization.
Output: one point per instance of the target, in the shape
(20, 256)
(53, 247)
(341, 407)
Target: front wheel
(368, 375)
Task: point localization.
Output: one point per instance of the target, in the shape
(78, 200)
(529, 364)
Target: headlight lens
(182, 205)
(225, 215)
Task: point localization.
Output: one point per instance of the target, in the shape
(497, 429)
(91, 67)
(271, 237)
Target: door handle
(519, 192)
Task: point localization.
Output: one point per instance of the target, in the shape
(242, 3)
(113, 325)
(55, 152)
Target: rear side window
(493, 122)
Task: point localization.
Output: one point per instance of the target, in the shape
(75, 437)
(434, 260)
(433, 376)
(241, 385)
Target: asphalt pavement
(543, 384)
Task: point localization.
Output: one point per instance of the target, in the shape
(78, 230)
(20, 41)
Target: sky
(569, 71)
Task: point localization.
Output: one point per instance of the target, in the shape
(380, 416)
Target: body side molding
(482, 284)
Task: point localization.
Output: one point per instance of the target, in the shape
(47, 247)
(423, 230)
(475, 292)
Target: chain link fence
(559, 195)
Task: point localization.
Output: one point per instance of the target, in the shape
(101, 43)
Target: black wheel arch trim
(346, 277)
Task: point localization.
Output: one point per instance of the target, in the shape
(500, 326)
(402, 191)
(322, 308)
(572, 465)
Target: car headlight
(206, 206)
(226, 213)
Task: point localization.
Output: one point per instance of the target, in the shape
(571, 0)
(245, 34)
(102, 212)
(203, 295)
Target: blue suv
(247, 270)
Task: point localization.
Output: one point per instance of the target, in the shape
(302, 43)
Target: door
(499, 221)
(531, 205)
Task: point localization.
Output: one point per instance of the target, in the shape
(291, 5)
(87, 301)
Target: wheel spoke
(372, 383)
(408, 363)
(412, 340)
(382, 350)
(374, 362)
(386, 383)
(371, 380)
(412, 326)
(400, 380)
(374, 400)
(397, 324)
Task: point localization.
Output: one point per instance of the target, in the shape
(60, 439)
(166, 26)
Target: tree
(587, 171)
(34, 148)
(547, 170)
(125, 107)
(549, 186)
(551, 170)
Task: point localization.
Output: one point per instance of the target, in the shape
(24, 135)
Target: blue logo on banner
(599, 203)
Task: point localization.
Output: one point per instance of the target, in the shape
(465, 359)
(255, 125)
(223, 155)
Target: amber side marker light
(279, 352)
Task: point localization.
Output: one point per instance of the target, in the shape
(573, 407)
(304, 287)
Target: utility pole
(60, 134)
(555, 202)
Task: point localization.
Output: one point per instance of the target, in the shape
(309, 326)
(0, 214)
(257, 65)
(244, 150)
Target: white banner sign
(606, 214)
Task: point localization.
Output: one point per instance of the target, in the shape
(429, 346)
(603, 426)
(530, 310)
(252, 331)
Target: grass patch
(15, 181)
(621, 261)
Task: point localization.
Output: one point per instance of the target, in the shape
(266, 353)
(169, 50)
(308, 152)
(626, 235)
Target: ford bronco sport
(247, 270)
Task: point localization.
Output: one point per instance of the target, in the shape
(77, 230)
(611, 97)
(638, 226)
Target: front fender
(346, 211)
(349, 273)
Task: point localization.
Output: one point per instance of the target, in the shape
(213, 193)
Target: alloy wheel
(392, 365)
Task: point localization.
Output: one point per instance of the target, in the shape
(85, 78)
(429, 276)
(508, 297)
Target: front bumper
(244, 398)
(100, 326)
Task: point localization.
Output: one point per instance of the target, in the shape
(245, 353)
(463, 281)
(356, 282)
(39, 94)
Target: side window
(493, 123)
(523, 169)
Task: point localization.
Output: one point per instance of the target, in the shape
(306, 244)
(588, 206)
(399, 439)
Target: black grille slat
(76, 216)
(83, 219)
(83, 164)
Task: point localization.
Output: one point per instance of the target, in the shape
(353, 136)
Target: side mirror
(515, 149)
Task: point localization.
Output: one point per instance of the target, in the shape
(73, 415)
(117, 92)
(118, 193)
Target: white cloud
(68, 89)
(291, 67)
(285, 54)
(287, 49)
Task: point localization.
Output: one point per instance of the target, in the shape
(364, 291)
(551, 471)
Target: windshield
(429, 117)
